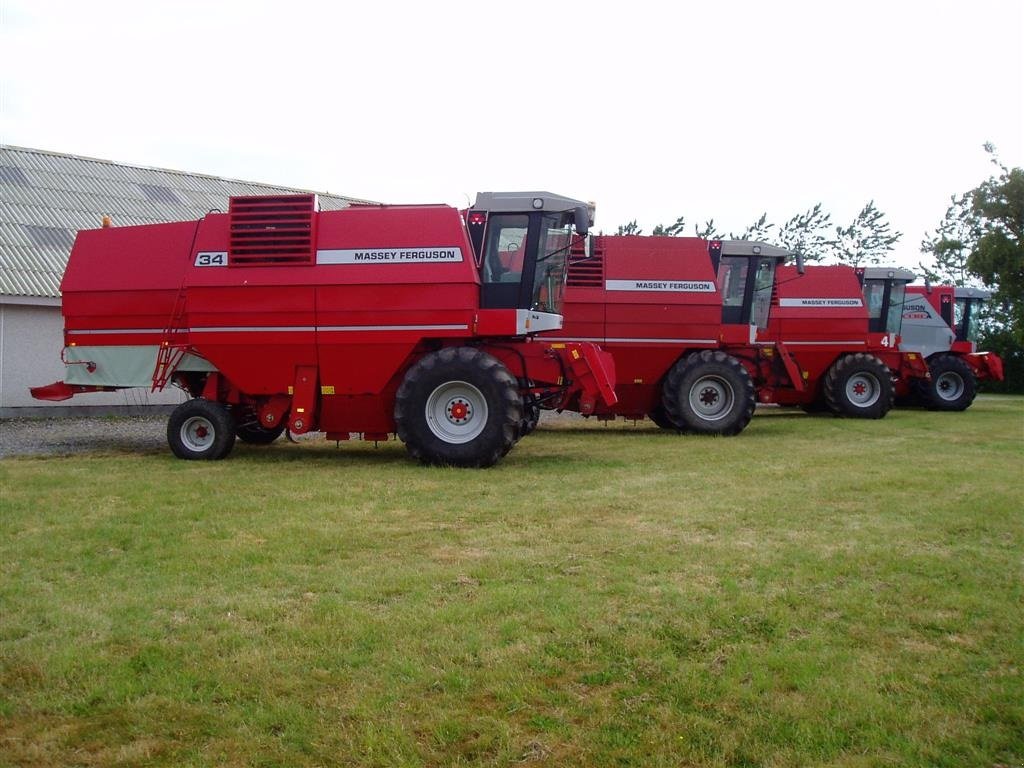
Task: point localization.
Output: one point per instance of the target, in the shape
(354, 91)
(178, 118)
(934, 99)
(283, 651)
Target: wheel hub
(949, 386)
(459, 411)
(711, 398)
(197, 433)
(456, 412)
(863, 390)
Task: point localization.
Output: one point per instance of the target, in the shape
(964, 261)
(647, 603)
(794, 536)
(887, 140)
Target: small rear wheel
(249, 430)
(201, 430)
(952, 387)
(710, 393)
(859, 386)
(531, 417)
(460, 407)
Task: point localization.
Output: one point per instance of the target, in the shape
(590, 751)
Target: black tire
(459, 407)
(201, 430)
(859, 386)
(952, 386)
(815, 407)
(531, 417)
(250, 431)
(709, 393)
(661, 419)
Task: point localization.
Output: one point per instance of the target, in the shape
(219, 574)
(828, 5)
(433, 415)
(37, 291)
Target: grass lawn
(814, 591)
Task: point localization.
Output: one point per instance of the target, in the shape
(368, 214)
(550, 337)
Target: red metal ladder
(173, 344)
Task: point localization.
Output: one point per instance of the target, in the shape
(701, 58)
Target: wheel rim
(712, 398)
(456, 412)
(198, 434)
(949, 386)
(863, 390)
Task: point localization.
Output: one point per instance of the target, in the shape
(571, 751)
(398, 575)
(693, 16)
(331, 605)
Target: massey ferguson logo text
(388, 255)
(820, 303)
(678, 286)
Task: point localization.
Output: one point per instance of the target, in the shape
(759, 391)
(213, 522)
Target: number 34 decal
(212, 259)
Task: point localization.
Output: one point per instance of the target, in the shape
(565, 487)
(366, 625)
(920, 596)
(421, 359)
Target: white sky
(653, 110)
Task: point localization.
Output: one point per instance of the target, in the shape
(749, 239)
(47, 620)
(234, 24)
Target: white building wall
(31, 339)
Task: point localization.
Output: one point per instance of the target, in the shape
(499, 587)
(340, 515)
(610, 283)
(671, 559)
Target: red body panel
(381, 287)
(985, 365)
(649, 301)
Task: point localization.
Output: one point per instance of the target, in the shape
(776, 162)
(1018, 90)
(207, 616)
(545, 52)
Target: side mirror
(582, 220)
(799, 263)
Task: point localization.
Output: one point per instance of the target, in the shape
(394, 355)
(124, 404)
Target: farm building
(45, 198)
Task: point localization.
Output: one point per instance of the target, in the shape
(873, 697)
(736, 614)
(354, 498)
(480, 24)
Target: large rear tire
(459, 407)
(249, 430)
(952, 387)
(661, 419)
(709, 393)
(201, 430)
(859, 386)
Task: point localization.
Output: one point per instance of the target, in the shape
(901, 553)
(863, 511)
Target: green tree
(759, 230)
(672, 230)
(981, 237)
(951, 243)
(630, 228)
(867, 240)
(809, 233)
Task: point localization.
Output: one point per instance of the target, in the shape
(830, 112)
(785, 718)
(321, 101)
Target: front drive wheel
(661, 419)
(952, 387)
(201, 430)
(710, 393)
(859, 385)
(460, 407)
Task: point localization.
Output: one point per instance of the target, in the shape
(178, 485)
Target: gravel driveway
(62, 436)
(103, 434)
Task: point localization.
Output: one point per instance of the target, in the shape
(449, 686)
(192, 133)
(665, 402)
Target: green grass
(812, 592)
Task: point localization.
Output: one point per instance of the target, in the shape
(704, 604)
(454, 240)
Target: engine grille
(273, 229)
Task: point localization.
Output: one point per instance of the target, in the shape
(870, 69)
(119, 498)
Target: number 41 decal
(212, 259)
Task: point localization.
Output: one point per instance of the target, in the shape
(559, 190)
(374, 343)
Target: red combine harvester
(680, 316)
(846, 352)
(940, 323)
(368, 320)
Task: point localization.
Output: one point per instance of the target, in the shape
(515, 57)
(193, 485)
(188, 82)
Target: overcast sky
(720, 110)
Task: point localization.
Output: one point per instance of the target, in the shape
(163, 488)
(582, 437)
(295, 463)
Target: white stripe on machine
(389, 255)
(672, 286)
(822, 302)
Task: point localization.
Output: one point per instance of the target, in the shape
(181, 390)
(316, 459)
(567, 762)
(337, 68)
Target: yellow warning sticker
(326, 390)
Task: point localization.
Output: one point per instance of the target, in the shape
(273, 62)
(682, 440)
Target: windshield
(732, 279)
(894, 319)
(763, 282)
(965, 319)
(552, 263)
(506, 249)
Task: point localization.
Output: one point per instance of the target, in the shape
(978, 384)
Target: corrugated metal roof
(46, 197)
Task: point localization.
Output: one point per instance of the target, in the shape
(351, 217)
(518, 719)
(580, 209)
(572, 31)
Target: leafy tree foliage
(981, 237)
(809, 233)
(759, 230)
(867, 240)
(951, 243)
(672, 230)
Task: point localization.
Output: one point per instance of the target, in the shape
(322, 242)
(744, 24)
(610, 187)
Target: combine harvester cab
(371, 320)
(941, 323)
(680, 316)
(841, 326)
